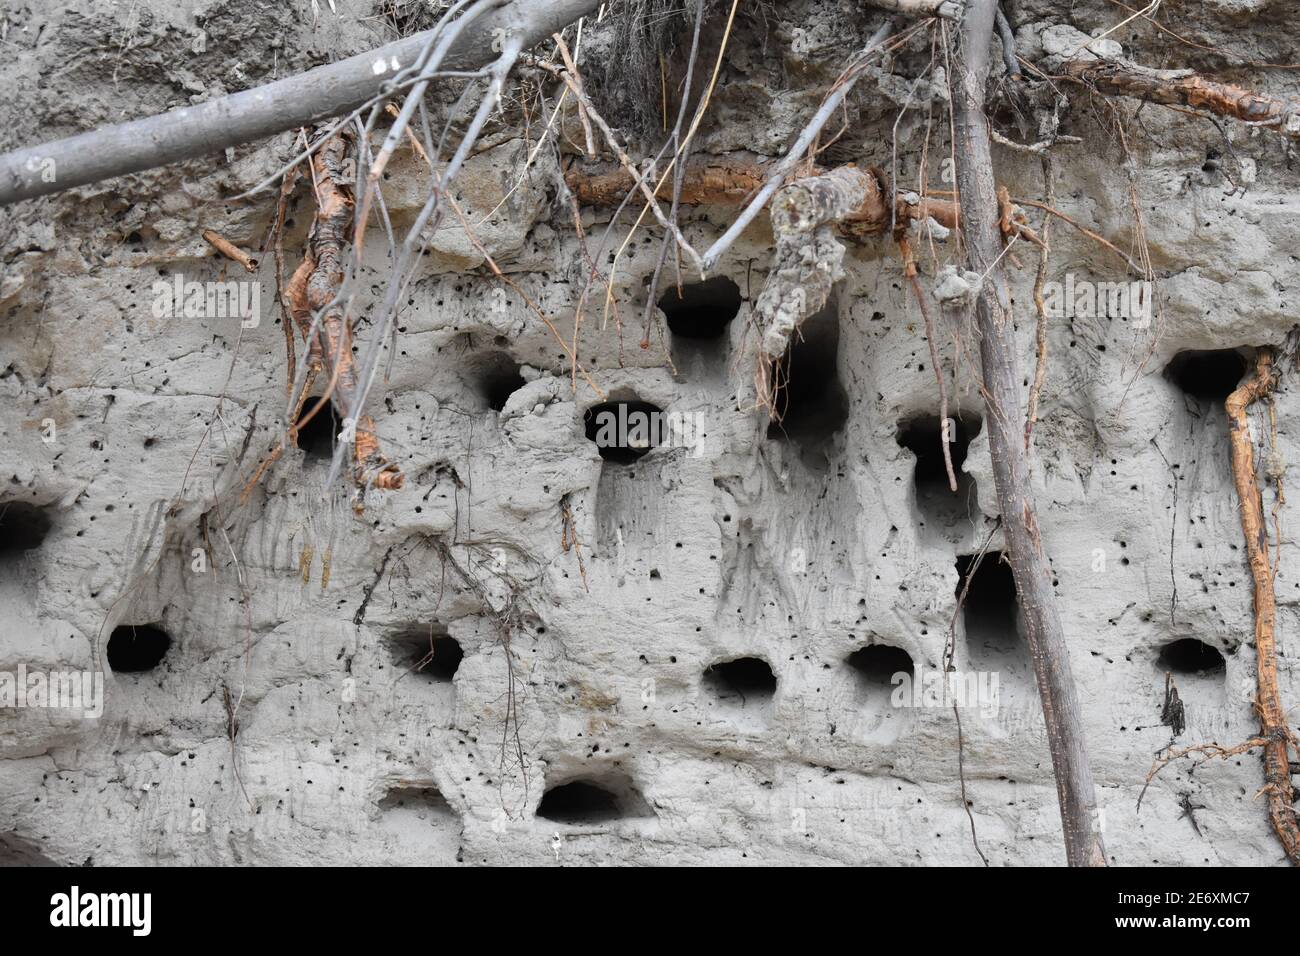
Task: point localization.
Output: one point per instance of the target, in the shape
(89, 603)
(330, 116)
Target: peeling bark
(1006, 423)
(1273, 728)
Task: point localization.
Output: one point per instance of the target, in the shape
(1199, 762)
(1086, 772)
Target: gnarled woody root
(313, 287)
(1273, 727)
(805, 263)
(731, 180)
(1185, 88)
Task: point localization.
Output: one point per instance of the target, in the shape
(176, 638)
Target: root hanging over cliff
(1275, 733)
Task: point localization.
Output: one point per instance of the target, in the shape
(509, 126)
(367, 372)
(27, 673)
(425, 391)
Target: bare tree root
(1186, 89)
(569, 537)
(1040, 306)
(909, 270)
(328, 245)
(1209, 751)
(1274, 731)
(950, 667)
(229, 250)
(706, 180)
(731, 180)
(313, 290)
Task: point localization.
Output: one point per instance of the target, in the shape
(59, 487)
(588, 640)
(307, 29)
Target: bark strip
(1006, 423)
(1273, 728)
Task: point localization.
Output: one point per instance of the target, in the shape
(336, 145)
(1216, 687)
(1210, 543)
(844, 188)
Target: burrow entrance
(941, 509)
(811, 401)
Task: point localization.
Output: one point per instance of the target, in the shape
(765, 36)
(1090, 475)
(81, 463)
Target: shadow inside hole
(591, 800)
(811, 403)
(317, 437)
(427, 653)
(698, 321)
(498, 378)
(23, 528)
(624, 431)
(137, 648)
(997, 672)
(877, 666)
(17, 851)
(745, 682)
(703, 310)
(941, 509)
(991, 609)
(1190, 657)
(1208, 376)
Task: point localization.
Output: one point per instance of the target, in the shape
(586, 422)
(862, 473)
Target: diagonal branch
(263, 111)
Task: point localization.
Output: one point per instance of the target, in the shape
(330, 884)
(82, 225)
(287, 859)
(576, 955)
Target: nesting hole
(703, 310)
(429, 653)
(1189, 656)
(991, 607)
(591, 800)
(420, 825)
(923, 435)
(23, 528)
(136, 648)
(744, 682)
(317, 437)
(876, 665)
(578, 802)
(422, 801)
(1207, 375)
(624, 431)
(811, 402)
(498, 378)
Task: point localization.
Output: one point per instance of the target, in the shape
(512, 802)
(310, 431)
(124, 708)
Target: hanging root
(1040, 307)
(313, 290)
(1274, 731)
(910, 270)
(1275, 736)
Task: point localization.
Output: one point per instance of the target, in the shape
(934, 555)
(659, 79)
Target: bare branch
(254, 114)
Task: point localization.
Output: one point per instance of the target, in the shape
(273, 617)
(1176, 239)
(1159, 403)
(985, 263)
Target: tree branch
(301, 100)
(1006, 424)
